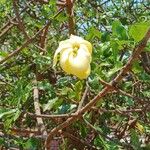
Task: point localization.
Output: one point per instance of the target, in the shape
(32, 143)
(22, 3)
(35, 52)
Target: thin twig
(83, 97)
(51, 116)
(42, 42)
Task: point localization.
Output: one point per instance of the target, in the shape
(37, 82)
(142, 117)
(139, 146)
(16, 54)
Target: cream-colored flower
(75, 56)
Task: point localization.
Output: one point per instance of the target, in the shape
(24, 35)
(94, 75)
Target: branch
(6, 29)
(69, 4)
(43, 35)
(79, 141)
(96, 7)
(120, 91)
(119, 111)
(51, 116)
(40, 122)
(132, 58)
(20, 131)
(10, 23)
(25, 44)
(28, 41)
(83, 97)
(20, 23)
(124, 70)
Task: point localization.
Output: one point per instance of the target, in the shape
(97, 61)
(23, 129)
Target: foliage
(120, 120)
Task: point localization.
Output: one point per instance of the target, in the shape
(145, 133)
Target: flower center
(75, 50)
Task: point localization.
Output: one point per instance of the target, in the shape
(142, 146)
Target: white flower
(75, 56)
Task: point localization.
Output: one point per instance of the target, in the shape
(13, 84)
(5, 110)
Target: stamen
(75, 50)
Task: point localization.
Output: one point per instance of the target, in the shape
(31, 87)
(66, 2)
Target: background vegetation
(42, 107)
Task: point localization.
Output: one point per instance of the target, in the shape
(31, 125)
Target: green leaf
(146, 93)
(66, 107)
(99, 142)
(146, 147)
(3, 54)
(136, 67)
(105, 37)
(92, 33)
(77, 90)
(53, 103)
(137, 31)
(32, 144)
(119, 30)
(44, 85)
(115, 69)
(2, 141)
(129, 101)
(83, 130)
(61, 17)
(20, 92)
(5, 112)
(52, 2)
(17, 114)
(135, 140)
(115, 51)
(2, 2)
(9, 116)
(63, 81)
(94, 83)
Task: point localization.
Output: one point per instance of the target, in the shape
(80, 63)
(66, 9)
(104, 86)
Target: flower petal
(88, 45)
(62, 46)
(64, 63)
(83, 74)
(80, 62)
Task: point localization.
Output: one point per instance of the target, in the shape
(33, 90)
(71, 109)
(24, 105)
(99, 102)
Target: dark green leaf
(119, 30)
(135, 140)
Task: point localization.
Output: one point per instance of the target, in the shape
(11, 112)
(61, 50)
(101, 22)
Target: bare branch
(69, 5)
(40, 122)
(83, 97)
